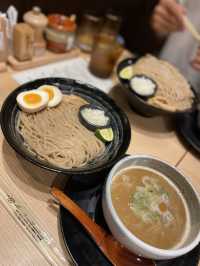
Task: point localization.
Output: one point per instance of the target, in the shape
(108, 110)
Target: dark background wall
(135, 13)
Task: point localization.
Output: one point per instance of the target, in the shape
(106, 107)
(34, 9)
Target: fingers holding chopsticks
(167, 17)
(196, 61)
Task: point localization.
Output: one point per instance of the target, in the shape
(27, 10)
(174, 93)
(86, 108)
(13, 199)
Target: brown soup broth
(150, 206)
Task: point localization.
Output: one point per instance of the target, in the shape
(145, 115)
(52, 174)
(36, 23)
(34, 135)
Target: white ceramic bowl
(125, 237)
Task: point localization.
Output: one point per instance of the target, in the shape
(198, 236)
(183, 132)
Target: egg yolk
(32, 98)
(50, 92)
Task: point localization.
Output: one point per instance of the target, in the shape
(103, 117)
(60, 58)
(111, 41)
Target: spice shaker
(3, 39)
(23, 37)
(38, 21)
(12, 15)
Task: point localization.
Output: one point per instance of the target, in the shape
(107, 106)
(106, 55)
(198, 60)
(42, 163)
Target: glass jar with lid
(87, 30)
(107, 48)
(104, 56)
(60, 33)
(112, 24)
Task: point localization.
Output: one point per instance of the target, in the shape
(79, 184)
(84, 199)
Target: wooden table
(155, 136)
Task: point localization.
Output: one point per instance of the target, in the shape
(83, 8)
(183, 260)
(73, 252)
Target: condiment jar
(23, 37)
(38, 21)
(3, 39)
(105, 54)
(112, 24)
(106, 49)
(87, 31)
(60, 33)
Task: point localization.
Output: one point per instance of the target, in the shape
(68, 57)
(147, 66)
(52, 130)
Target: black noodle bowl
(141, 106)
(120, 125)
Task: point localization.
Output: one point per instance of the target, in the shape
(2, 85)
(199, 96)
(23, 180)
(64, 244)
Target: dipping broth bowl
(128, 239)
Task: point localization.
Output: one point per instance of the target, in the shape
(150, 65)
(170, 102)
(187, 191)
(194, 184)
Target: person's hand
(167, 17)
(196, 61)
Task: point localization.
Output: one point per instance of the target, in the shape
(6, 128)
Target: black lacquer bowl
(188, 129)
(114, 150)
(139, 104)
(80, 245)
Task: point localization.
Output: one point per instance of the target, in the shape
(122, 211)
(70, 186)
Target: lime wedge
(105, 134)
(126, 73)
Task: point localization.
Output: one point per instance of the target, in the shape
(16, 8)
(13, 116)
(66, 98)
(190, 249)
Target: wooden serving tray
(48, 57)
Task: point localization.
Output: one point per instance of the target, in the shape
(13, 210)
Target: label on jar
(70, 42)
(1, 41)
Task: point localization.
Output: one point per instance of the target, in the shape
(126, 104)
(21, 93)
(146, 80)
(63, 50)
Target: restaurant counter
(154, 136)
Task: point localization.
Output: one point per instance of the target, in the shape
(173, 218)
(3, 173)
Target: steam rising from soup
(151, 207)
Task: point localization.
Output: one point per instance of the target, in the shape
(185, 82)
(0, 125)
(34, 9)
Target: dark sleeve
(139, 36)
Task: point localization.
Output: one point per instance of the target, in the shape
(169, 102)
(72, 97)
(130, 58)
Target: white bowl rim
(148, 248)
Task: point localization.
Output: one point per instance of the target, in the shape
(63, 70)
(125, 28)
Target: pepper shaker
(38, 21)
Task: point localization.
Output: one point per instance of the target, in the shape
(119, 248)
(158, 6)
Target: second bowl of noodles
(173, 94)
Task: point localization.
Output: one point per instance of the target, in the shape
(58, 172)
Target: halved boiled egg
(32, 101)
(55, 95)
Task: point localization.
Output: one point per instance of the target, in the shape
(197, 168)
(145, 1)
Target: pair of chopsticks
(16, 206)
(189, 25)
(191, 28)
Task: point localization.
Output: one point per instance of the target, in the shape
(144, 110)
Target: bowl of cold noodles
(41, 121)
(155, 87)
(151, 208)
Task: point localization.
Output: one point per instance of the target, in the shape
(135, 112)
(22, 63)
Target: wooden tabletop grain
(154, 136)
